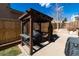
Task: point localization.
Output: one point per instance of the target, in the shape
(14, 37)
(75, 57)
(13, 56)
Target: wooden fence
(60, 25)
(72, 26)
(9, 30)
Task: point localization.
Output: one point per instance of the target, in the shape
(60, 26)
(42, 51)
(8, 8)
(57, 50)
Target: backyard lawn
(12, 51)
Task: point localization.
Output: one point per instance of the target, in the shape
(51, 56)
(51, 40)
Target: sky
(67, 9)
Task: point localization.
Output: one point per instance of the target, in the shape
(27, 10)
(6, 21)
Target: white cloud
(47, 5)
(42, 4)
(60, 8)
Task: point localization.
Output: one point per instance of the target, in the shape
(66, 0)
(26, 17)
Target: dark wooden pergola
(34, 16)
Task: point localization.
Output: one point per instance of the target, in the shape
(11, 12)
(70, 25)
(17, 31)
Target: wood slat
(9, 30)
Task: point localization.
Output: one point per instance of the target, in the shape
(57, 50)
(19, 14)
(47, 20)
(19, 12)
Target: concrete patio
(55, 48)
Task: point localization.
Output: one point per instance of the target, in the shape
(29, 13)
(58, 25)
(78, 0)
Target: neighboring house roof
(7, 12)
(14, 10)
(56, 21)
(74, 17)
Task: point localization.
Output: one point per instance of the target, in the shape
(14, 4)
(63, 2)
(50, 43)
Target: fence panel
(72, 26)
(9, 30)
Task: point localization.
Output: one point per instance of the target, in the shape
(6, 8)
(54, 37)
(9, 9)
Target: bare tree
(59, 14)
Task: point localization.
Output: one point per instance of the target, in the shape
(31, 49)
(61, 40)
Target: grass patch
(12, 51)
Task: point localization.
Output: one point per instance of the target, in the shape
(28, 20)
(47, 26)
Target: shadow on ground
(8, 46)
(53, 38)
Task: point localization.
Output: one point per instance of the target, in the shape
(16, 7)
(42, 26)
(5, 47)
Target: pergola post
(22, 31)
(50, 31)
(40, 26)
(31, 35)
